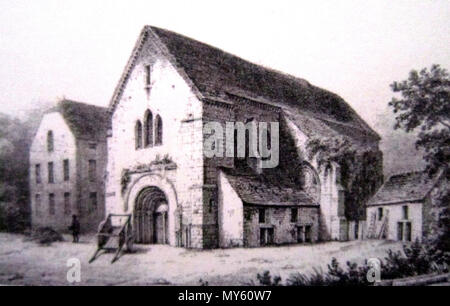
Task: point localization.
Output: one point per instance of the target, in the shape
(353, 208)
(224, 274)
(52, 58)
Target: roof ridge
(296, 78)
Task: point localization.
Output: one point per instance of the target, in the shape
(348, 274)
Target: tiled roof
(404, 187)
(262, 190)
(215, 73)
(86, 121)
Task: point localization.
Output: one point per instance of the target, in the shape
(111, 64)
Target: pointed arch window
(148, 124)
(159, 130)
(138, 134)
(50, 141)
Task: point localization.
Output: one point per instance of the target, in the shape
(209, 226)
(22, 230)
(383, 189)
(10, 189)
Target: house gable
(64, 139)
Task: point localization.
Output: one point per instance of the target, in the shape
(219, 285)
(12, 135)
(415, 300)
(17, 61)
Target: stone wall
(91, 217)
(78, 152)
(395, 215)
(230, 215)
(170, 97)
(64, 148)
(279, 218)
(334, 220)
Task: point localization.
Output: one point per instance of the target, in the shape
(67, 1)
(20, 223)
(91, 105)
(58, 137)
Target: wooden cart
(115, 234)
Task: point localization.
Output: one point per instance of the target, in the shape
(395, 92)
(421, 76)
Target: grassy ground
(27, 263)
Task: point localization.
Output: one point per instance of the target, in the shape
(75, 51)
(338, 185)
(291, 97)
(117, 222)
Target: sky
(78, 49)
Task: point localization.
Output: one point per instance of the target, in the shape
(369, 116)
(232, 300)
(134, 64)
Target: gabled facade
(407, 207)
(67, 165)
(172, 86)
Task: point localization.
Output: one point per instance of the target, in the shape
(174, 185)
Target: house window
(266, 236)
(262, 215)
(138, 134)
(51, 203)
(294, 215)
(159, 130)
(37, 171)
(66, 169)
(37, 206)
(405, 212)
(50, 140)
(67, 203)
(380, 213)
(92, 170)
(51, 178)
(147, 75)
(93, 202)
(92, 145)
(148, 126)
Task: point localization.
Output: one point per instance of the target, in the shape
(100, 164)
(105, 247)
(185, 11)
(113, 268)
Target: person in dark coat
(75, 228)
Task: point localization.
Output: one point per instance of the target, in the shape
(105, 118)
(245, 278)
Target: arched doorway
(150, 218)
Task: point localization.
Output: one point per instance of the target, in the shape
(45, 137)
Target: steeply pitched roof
(86, 121)
(216, 73)
(261, 190)
(404, 187)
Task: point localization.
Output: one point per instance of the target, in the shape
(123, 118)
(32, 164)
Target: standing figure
(75, 228)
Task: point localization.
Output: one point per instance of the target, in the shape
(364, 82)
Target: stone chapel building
(67, 167)
(157, 170)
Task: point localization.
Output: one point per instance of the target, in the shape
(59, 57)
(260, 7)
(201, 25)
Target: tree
(425, 106)
(14, 147)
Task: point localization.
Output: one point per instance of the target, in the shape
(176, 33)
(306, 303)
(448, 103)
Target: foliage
(45, 235)
(266, 279)
(203, 283)
(416, 259)
(15, 141)
(352, 275)
(425, 105)
(329, 149)
(12, 217)
(317, 278)
(442, 239)
(361, 170)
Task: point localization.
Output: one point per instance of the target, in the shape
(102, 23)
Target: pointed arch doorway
(150, 216)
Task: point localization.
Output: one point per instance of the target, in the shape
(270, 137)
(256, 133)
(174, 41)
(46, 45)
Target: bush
(13, 218)
(317, 278)
(336, 276)
(416, 259)
(266, 279)
(45, 235)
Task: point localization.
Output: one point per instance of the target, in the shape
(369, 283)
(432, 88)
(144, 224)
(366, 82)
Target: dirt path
(27, 263)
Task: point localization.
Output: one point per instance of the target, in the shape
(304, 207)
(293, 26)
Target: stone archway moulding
(154, 180)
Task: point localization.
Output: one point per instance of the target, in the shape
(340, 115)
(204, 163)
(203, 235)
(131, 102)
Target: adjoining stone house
(406, 208)
(67, 166)
(171, 87)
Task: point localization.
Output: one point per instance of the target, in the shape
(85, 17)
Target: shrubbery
(44, 235)
(416, 259)
(13, 218)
